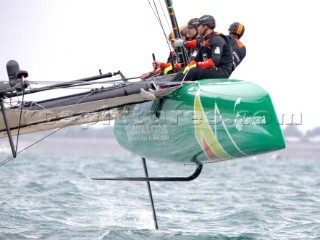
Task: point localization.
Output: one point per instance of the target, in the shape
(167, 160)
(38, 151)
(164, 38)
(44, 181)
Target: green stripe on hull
(205, 136)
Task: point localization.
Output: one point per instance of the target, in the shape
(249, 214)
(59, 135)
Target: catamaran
(193, 122)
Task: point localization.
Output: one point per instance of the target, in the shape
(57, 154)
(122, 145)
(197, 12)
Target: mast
(180, 50)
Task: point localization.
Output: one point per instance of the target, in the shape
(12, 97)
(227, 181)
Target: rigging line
(165, 16)
(91, 93)
(170, 47)
(36, 104)
(77, 87)
(79, 81)
(157, 13)
(76, 115)
(6, 161)
(20, 117)
(49, 88)
(159, 21)
(84, 97)
(93, 82)
(41, 139)
(154, 12)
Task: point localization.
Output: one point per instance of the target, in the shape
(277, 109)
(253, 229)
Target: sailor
(214, 59)
(193, 34)
(162, 68)
(236, 31)
(173, 58)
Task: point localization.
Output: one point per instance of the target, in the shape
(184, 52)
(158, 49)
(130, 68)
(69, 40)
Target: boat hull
(210, 120)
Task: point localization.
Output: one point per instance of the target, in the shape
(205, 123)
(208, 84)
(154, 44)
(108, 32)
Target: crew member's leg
(201, 73)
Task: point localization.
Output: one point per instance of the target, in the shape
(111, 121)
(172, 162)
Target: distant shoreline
(110, 146)
(297, 150)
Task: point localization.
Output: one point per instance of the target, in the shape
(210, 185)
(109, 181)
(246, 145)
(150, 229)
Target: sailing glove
(179, 42)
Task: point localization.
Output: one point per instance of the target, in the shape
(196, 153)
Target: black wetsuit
(193, 52)
(238, 51)
(173, 58)
(213, 48)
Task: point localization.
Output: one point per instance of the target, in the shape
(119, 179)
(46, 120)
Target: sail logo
(208, 138)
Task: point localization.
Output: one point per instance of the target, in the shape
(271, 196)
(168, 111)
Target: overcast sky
(60, 40)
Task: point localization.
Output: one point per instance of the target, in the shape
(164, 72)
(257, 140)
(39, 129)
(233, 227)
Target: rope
(165, 15)
(18, 152)
(36, 142)
(85, 97)
(41, 139)
(160, 23)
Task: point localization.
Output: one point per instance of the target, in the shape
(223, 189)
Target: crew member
(214, 59)
(193, 34)
(162, 68)
(236, 31)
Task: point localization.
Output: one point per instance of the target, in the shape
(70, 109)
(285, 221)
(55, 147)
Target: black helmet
(208, 20)
(237, 29)
(193, 23)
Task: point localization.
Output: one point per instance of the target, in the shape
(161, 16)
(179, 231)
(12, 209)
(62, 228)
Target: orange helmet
(183, 31)
(237, 29)
(171, 37)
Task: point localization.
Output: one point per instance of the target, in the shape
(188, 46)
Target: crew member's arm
(182, 43)
(161, 65)
(176, 66)
(149, 74)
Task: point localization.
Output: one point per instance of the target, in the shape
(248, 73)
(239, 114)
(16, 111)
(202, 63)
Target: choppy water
(53, 197)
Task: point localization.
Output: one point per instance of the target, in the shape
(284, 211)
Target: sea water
(52, 196)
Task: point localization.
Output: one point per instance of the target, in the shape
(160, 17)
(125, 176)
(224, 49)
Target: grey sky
(69, 39)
